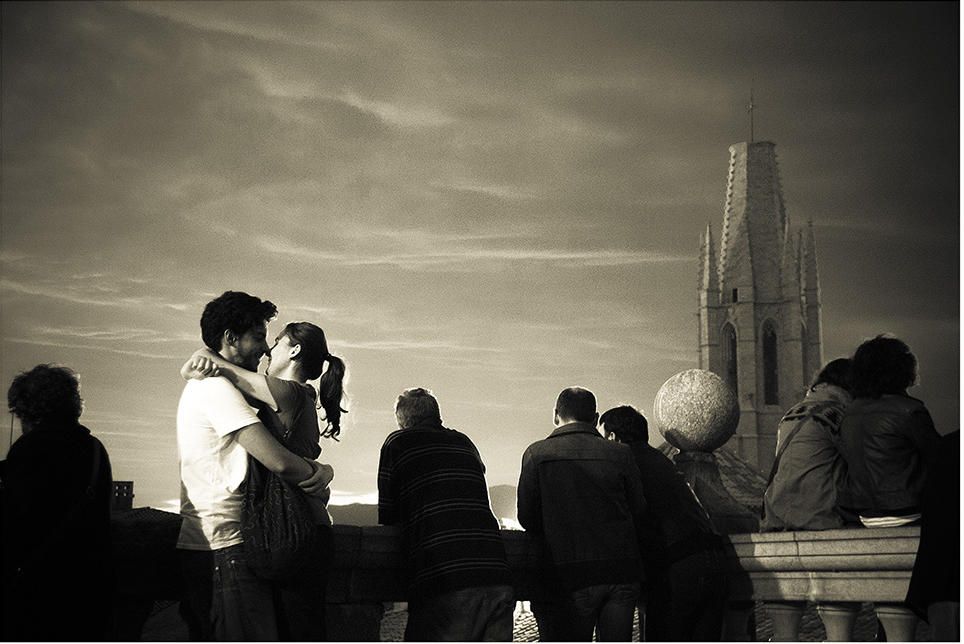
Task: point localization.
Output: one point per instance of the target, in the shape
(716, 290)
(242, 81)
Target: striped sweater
(431, 483)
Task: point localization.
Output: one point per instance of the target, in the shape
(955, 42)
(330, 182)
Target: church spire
(811, 278)
(709, 280)
(790, 268)
(754, 221)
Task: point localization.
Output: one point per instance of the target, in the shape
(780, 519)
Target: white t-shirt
(213, 464)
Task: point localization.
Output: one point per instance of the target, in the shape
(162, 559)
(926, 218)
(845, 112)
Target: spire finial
(749, 109)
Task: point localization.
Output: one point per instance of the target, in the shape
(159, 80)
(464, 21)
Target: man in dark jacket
(681, 552)
(582, 496)
(57, 569)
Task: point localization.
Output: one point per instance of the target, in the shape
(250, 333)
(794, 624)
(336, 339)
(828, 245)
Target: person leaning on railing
(687, 584)
(806, 477)
(889, 443)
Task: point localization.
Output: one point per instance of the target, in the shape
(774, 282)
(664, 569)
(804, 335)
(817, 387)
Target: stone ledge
(834, 565)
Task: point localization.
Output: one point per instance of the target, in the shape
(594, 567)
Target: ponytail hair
(331, 389)
(312, 358)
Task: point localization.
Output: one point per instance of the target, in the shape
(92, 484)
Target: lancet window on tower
(771, 386)
(728, 343)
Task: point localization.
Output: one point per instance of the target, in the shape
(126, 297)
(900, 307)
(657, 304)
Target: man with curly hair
(56, 533)
(217, 428)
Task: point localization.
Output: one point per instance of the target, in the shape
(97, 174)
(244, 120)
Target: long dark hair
(313, 356)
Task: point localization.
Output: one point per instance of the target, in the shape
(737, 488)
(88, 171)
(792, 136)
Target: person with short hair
(887, 438)
(58, 573)
(431, 483)
(686, 576)
(889, 442)
(217, 429)
(582, 496)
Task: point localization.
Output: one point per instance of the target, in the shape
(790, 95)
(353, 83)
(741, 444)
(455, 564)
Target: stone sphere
(696, 411)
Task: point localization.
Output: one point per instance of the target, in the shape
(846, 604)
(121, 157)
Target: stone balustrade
(834, 566)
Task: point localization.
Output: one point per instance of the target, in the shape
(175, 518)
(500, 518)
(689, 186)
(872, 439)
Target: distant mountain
(354, 514)
(502, 497)
(503, 501)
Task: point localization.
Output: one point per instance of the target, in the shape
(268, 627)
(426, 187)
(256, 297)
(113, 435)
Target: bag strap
(72, 513)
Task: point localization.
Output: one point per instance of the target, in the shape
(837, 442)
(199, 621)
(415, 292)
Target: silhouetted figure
(808, 471)
(887, 438)
(686, 580)
(889, 443)
(57, 567)
(807, 476)
(431, 483)
(582, 495)
(935, 585)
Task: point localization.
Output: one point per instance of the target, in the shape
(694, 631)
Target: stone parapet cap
(369, 566)
(827, 550)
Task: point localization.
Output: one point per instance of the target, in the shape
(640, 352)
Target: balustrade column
(838, 620)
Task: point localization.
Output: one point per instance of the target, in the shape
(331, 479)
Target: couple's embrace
(233, 422)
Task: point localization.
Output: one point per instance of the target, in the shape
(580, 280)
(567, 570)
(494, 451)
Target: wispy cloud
(81, 294)
(91, 347)
(396, 113)
(115, 334)
(506, 192)
(412, 345)
(448, 259)
(205, 18)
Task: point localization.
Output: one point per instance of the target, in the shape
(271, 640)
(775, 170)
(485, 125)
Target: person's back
(686, 586)
(808, 473)
(582, 496)
(431, 483)
(582, 512)
(57, 547)
(671, 506)
(887, 443)
(887, 438)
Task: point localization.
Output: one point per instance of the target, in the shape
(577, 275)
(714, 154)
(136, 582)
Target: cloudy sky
(494, 201)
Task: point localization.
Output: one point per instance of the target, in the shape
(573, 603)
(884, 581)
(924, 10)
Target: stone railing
(832, 568)
(825, 567)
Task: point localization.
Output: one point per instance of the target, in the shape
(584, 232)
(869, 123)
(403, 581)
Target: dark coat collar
(577, 427)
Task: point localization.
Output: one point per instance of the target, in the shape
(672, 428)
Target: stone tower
(759, 302)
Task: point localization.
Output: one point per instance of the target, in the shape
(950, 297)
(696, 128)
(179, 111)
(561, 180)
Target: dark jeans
(223, 600)
(300, 602)
(607, 608)
(687, 602)
(480, 614)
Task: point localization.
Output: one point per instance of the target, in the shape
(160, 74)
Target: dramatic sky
(491, 200)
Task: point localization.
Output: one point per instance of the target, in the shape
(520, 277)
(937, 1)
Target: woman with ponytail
(299, 357)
